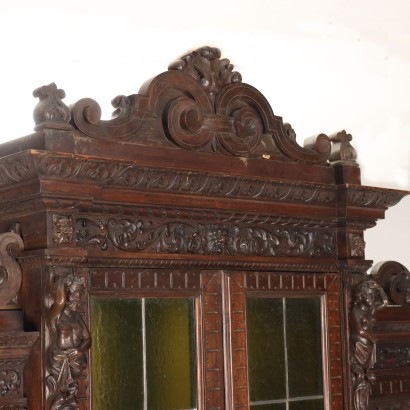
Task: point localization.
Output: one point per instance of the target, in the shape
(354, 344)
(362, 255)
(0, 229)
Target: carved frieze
(18, 339)
(16, 168)
(391, 356)
(70, 339)
(363, 196)
(130, 175)
(135, 235)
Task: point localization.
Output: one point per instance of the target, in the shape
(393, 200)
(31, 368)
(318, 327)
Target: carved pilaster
(69, 339)
(368, 297)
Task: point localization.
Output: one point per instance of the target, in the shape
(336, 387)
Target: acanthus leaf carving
(206, 66)
(137, 177)
(135, 235)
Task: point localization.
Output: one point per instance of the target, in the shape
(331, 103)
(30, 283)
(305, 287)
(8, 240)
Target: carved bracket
(10, 271)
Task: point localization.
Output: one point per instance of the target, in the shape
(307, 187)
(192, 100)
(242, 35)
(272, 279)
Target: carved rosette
(69, 339)
(368, 297)
(135, 235)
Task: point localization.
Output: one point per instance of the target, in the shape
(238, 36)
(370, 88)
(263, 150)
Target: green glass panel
(304, 347)
(307, 405)
(266, 351)
(276, 406)
(116, 352)
(171, 359)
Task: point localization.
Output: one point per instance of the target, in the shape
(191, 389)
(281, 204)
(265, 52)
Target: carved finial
(342, 151)
(51, 112)
(206, 66)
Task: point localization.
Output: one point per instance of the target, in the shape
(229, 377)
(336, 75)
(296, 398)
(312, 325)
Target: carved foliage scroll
(69, 339)
(134, 235)
(368, 297)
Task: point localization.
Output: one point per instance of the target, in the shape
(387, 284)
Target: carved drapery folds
(69, 339)
(368, 297)
(10, 271)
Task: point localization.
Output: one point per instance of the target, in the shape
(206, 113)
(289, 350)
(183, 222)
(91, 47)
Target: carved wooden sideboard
(189, 253)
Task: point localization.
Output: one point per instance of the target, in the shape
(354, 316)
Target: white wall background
(324, 65)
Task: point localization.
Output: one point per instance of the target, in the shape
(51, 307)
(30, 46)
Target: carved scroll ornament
(10, 271)
(70, 340)
(200, 104)
(368, 297)
(395, 280)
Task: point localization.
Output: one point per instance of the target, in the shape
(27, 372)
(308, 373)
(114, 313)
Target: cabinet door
(157, 340)
(285, 341)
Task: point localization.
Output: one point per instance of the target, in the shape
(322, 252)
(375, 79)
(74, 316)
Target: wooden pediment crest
(199, 104)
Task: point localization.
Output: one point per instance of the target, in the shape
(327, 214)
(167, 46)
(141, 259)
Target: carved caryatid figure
(368, 297)
(71, 341)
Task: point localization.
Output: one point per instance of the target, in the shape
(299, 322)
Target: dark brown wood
(194, 187)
